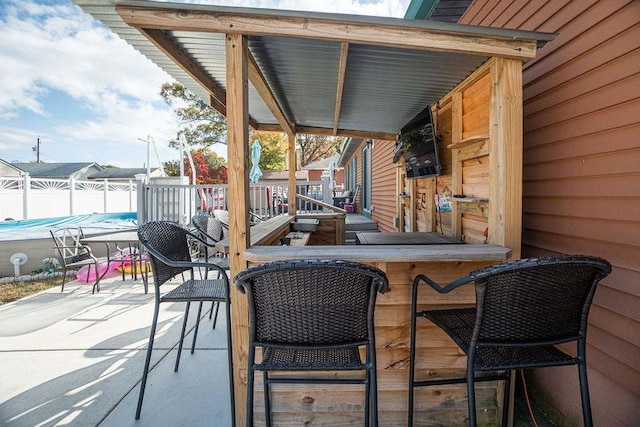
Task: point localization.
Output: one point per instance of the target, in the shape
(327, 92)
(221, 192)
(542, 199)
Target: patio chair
(74, 254)
(210, 231)
(223, 216)
(168, 250)
(523, 310)
(312, 315)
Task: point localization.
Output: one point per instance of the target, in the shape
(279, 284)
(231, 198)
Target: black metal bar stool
(523, 310)
(312, 315)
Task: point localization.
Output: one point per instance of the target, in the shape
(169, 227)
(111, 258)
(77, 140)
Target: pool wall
(32, 237)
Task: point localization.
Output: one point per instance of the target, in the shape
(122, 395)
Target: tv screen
(419, 146)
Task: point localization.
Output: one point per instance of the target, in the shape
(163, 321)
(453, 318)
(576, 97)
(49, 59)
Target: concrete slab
(84, 368)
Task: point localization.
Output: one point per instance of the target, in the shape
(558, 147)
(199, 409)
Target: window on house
(352, 179)
(366, 178)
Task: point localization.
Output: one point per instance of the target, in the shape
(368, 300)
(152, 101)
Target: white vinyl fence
(33, 198)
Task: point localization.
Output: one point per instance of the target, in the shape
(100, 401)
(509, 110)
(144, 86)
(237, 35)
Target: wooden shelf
(468, 141)
(474, 206)
(471, 199)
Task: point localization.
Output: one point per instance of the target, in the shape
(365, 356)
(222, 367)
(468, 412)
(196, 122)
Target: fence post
(105, 192)
(26, 189)
(327, 195)
(72, 190)
(141, 195)
(130, 196)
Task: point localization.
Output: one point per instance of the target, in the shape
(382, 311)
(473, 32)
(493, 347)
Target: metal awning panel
(302, 74)
(387, 87)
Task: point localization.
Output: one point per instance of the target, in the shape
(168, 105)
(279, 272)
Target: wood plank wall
(582, 179)
(444, 182)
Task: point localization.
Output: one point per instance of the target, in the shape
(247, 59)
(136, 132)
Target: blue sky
(88, 95)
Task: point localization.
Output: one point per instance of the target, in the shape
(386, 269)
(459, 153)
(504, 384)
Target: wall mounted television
(419, 146)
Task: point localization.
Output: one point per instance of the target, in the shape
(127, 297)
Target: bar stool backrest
(535, 301)
(165, 241)
(311, 302)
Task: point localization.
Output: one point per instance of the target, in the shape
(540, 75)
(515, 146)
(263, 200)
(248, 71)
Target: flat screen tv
(419, 147)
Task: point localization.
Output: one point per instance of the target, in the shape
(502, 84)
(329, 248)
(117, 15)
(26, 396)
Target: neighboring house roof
(348, 148)
(123, 173)
(283, 175)
(323, 164)
(9, 169)
(437, 10)
(56, 170)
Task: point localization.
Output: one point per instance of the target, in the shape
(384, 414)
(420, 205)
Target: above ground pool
(91, 223)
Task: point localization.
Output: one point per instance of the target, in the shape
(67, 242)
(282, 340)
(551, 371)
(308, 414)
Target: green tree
(171, 168)
(317, 147)
(200, 124)
(274, 149)
(210, 167)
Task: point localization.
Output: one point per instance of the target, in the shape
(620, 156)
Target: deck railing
(179, 202)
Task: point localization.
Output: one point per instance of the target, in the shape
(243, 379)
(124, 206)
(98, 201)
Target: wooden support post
(456, 175)
(293, 167)
(238, 205)
(505, 169)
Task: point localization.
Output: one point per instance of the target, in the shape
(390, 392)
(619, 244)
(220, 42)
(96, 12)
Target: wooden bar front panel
(437, 355)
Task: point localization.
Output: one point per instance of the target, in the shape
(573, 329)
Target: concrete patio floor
(76, 359)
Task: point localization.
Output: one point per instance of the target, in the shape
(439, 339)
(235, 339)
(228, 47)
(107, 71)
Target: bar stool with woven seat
(168, 249)
(523, 310)
(210, 231)
(312, 315)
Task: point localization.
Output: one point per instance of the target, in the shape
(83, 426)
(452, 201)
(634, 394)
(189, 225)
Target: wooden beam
(264, 90)
(217, 105)
(165, 43)
(238, 205)
(347, 133)
(416, 36)
(342, 68)
(293, 167)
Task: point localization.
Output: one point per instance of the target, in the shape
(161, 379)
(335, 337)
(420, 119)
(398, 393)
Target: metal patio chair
(168, 249)
(523, 310)
(74, 254)
(211, 232)
(312, 315)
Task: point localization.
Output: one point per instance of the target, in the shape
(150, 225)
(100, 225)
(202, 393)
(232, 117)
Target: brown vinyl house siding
(582, 179)
(383, 177)
(383, 190)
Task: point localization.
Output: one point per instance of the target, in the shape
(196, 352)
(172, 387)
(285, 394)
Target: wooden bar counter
(436, 354)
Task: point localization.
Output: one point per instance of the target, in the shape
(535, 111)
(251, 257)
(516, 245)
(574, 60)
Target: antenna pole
(37, 150)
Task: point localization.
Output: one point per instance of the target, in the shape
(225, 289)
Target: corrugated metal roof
(384, 85)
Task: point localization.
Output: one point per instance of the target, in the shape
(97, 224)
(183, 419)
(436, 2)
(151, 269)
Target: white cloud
(63, 48)
(389, 8)
(49, 47)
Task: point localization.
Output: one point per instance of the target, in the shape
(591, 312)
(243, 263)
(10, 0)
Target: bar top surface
(380, 253)
(398, 238)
